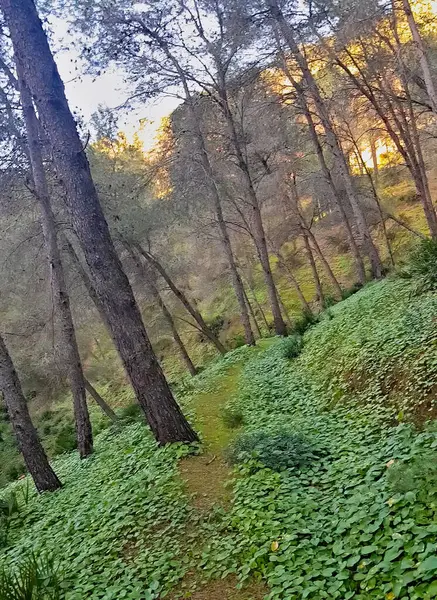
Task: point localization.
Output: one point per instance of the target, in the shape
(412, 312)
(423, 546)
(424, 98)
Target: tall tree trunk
(153, 261)
(319, 289)
(331, 136)
(100, 401)
(142, 270)
(359, 262)
(376, 198)
(27, 438)
(252, 314)
(290, 276)
(212, 185)
(259, 233)
(177, 338)
(112, 286)
(84, 432)
(423, 59)
(224, 234)
(325, 263)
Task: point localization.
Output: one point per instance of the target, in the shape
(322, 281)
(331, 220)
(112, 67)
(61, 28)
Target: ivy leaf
(429, 564)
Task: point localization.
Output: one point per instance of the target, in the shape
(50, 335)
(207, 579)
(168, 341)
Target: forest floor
(357, 520)
(206, 477)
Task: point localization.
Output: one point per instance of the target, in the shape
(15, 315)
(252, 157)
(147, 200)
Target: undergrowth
(358, 519)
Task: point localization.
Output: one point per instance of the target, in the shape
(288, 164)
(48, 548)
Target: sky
(85, 92)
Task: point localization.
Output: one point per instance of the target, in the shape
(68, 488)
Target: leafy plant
(65, 439)
(216, 324)
(350, 291)
(238, 341)
(9, 509)
(232, 416)
(34, 578)
(423, 264)
(276, 450)
(304, 322)
(291, 346)
(418, 475)
(131, 413)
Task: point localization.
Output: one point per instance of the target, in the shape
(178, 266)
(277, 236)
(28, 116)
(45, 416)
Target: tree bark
(112, 286)
(152, 260)
(259, 233)
(141, 268)
(252, 313)
(29, 444)
(290, 276)
(82, 421)
(224, 234)
(331, 137)
(423, 59)
(100, 401)
(359, 262)
(325, 263)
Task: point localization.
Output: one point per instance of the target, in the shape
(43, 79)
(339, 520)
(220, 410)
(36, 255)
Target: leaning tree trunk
(152, 260)
(325, 263)
(84, 432)
(100, 401)
(258, 226)
(112, 286)
(290, 276)
(27, 438)
(212, 185)
(174, 331)
(252, 314)
(142, 269)
(293, 197)
(87, 282)
(331, 136)
(317, 282)
(359, 262)
(423, 59)
(226, 241)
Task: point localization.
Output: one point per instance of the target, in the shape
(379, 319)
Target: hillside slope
(358, 520)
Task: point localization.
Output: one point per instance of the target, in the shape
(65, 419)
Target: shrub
(232, 416)
(419, 475)
(276, 450)
(423, 264)
(291, 346)
(347, 293)
(9, 509)
(238, 341)
(131, 413)
(65, 439)
(216, 324)
(304, 322)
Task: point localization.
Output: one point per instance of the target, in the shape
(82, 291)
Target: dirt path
(205, 477)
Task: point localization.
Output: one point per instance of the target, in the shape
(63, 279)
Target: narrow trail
(206, 475)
